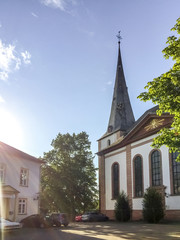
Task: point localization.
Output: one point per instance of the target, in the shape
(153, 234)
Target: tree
(122, 208)
(165, 91)
(153, 210)
(69, 176)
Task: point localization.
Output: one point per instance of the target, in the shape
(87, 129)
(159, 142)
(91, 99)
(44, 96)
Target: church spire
(121, 117)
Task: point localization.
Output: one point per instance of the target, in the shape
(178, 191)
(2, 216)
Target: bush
(153, 210)
(122, 208)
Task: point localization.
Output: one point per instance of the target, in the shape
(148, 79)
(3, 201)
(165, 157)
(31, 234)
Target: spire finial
(119, 36)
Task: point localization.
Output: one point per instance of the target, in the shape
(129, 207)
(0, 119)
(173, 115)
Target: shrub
(153, 210)
(122, 208)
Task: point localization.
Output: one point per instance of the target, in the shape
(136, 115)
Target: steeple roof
(121, 117)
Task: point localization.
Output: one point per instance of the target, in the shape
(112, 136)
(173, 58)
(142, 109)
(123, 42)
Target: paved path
(122, 231)
(100, 231)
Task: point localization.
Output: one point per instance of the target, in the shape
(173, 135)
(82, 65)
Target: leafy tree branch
(165, 91)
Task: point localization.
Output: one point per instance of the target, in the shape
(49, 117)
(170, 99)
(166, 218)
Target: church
(127, 161)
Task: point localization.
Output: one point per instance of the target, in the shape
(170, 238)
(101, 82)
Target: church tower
(127, 160)
(121, 117)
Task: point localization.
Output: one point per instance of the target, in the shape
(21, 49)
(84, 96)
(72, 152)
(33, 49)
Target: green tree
(69, 176)
(153, 210)
(165, 91)
(122, 208)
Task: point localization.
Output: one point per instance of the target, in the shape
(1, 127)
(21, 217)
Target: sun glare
(10, 129)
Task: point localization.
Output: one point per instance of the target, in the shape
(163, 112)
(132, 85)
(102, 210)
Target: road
(100, 231)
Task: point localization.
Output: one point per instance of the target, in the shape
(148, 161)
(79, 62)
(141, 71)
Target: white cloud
(26, 57)
(63, 5)
(55, 4)
(3, 75)
(8, 60)
(1, 99)
(11, 60)
(34, 15)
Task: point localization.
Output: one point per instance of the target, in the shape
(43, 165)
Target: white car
(8, 225)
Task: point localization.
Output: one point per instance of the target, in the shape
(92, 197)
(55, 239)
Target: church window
(156, 168)
(109, 142)
(115, 180)
(175, 173)
(138, 177)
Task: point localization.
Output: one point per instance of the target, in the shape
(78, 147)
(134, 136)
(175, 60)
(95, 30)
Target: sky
(58, 62)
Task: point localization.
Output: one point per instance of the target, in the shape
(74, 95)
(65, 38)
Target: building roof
(148, 124)
(9, 189)
(121, 116)
(7, 149)
(149, 111)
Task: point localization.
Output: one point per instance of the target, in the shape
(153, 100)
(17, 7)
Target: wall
(12, 178)
(112, 137)
(172, 202)
(109, 160)
(143, 148)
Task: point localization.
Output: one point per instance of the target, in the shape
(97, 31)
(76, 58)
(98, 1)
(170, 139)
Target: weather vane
(119, 37)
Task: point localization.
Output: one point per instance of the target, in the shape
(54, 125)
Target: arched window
(108, 142)
(138, 177)
(115, 180)
(156, 172)
(175, 173)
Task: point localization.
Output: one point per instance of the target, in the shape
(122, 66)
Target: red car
(78, 218)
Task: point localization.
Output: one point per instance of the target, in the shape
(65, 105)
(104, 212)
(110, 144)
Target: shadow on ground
(103, 231)
(135, 230)
(43, 234)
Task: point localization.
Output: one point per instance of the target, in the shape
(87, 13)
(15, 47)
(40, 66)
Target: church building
(127, 161)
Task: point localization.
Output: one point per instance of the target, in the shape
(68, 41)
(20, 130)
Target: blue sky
(58, 62)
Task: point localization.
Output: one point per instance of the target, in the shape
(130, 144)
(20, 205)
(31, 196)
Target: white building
(19, 183)
(128, 162)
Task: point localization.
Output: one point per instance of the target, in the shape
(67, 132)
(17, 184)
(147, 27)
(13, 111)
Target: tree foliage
(69, 176)
(165, 91)
(122, 208)
(153, 210)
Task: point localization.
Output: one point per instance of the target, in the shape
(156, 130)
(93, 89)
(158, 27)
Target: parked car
(8, 225)
(94, 217)
(36, 221)
(59, 219)
(78, 218)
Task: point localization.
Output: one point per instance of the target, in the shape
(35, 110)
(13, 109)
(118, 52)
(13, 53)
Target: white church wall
(104, 141)
(118, 151)
(142, 141)
(121, 159)
(165, 168)
(143, 148)
(173, 203)
(137, 203)
(144, 151)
